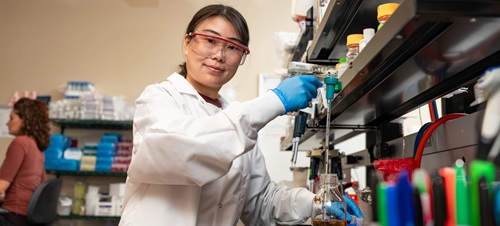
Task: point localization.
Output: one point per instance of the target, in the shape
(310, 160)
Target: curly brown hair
(36, 122)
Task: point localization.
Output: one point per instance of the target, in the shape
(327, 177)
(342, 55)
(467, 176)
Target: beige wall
(119, 45)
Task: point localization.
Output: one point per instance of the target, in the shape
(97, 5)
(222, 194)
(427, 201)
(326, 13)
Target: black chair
(42, 208)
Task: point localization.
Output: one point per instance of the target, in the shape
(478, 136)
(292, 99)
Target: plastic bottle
(91, 200)
(368, 34)
(342, 66)
(329, 194)
(79, 189)
(384, 12)
(353, 47)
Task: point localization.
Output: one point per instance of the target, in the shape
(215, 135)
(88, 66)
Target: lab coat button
(220, 205)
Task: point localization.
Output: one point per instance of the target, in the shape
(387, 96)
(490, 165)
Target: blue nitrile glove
(296, 92)
(337, 209)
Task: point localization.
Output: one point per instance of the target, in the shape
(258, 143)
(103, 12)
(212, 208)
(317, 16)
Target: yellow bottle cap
(386, 9)
(354, 38)
(337, 66)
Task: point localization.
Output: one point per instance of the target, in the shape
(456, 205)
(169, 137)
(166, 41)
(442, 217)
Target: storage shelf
(342, 18)
(78, 217)
(87, 173)
(93, 124)
(427, 49)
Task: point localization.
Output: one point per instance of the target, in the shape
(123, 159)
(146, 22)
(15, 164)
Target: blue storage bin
(117, 135)
(106, 147)
(51, 164)
(104, 160)
(67, 164)
(103, 154)
(109, 139)
(57, 140)
(102, 167)
(53, 153)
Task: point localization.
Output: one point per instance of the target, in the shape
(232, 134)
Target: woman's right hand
(296, 92)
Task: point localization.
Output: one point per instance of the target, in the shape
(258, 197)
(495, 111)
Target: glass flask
(329, 194)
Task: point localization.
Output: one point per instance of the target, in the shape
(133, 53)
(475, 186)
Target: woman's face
(15, 123)
(209, 73)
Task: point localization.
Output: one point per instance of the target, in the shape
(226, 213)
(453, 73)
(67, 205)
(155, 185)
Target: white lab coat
(195, 164)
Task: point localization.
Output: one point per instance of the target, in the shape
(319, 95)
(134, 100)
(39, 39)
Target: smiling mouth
(214, 68)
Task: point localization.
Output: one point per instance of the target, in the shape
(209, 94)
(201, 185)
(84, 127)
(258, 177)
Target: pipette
(332, 87)
(299, 68)
(298, 131)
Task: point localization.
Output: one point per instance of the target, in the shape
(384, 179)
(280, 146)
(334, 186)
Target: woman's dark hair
(36, 123)
(227, 12)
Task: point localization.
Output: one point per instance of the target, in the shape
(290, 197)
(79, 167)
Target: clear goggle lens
(207, 45)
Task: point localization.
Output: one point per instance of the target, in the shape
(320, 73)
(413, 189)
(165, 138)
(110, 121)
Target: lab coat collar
(183, 86)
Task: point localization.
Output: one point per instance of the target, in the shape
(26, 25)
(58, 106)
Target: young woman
(196, 161)
(23, 170)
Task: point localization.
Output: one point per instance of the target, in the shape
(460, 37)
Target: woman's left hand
(337, 209)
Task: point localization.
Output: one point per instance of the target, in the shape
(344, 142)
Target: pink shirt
(23, 168)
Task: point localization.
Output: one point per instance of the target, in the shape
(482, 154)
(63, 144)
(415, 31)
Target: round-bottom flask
(327, 199)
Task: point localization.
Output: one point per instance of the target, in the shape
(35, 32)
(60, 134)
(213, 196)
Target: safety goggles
(207, 45)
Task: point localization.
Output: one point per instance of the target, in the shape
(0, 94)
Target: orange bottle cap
(354, 39)
(386, 9)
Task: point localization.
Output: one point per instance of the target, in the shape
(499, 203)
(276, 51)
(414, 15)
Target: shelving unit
(426, 50)
(78, 217)
(87, 173)
(90, 124)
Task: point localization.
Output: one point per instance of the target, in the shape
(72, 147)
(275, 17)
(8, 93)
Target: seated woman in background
(23, 168)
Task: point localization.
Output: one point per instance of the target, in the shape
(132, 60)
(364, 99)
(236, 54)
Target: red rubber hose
(428, 133)
(431, 112)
